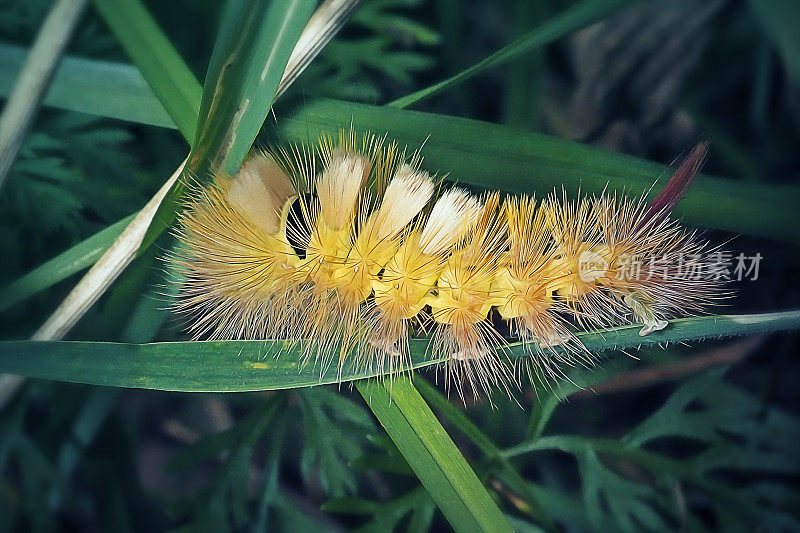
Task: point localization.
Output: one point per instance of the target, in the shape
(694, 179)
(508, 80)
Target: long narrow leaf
(323, 25)
(103, 88)
(163, 69)
(105, 270)
(515, 161)
(252, 49)
(433, 456)
(81, 256)
(169, 78)
(780, 19)
(506, 471)
(34, 79)
(527, 162)
(265, 365)
(131, 99)
(249, 33)
(579, 15)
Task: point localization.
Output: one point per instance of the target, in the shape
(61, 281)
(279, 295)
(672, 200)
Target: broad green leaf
(576, 17)
(433, 456)
(265, 365)
(163, 69)
(103, 88)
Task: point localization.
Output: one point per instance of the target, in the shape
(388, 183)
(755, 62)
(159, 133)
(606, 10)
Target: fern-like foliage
(712, 457)
(70, 178)
(382, 44)
(332, 430)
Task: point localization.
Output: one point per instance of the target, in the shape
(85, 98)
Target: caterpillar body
(348, 248)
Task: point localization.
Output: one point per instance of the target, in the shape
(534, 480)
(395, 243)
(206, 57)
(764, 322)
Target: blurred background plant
(698, 437)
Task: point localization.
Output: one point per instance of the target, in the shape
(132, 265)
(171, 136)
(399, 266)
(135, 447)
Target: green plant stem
(493, 453)
(433, 456)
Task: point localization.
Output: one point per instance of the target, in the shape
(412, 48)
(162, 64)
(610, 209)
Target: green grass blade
(175, 85)
(34, 79)
(456, 417)
(493, 453)
(433, 456)
(251, 86)
(88, 421)
(576, 17)
(513, 161)
(163, 69)
(75, 259)
(496, 157)
(253, 46)
(267, 365)
(247, 91)
(530, 162)
(103, 88)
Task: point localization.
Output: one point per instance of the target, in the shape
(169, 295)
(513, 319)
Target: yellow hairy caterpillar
(348, 248)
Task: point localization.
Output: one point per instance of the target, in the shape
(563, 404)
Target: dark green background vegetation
(697, 436)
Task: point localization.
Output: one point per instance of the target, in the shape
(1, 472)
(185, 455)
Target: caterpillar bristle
(260, 191)
(405, 197)
(528, 279)
(346, 250)
(465, 294)
(452, 216)
(234, 256)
